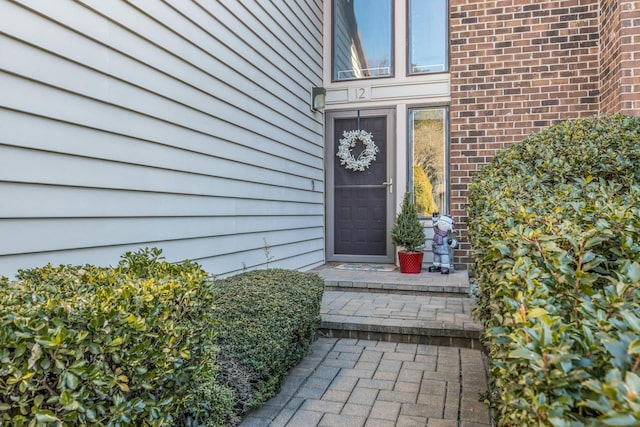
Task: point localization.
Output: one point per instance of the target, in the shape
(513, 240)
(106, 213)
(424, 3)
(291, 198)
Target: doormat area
(366, 267)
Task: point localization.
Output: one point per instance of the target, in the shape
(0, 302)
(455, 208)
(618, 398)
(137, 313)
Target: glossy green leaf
(71, 380)
(632, 320)
(634, 273)
(46, 417)
(537, 312)
(621, 420)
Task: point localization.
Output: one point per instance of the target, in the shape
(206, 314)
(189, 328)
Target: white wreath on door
(348, 141)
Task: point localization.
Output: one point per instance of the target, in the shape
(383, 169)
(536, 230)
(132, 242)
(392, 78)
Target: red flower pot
(410, 262)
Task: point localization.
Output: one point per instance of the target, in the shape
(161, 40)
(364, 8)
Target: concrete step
(455, 284)
(413, 319)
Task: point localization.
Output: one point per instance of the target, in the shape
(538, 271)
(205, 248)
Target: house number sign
(359, 93)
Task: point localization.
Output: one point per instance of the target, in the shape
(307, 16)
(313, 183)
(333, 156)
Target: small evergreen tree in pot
(408, 233)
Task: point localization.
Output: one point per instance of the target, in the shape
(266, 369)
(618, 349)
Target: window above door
(364, 39)
(427, 36)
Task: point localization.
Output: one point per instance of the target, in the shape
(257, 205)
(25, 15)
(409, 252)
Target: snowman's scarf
(439, 236)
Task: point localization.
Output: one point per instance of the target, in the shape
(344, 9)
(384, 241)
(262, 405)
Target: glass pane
(428, 158)
(427, 36)
(362, 39)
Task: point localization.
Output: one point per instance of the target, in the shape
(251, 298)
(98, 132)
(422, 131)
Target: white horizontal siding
(26, 235)
(299, 255)
(194, 148)
(182, 125)
(26, 201)
(144, 115)
(20, 165)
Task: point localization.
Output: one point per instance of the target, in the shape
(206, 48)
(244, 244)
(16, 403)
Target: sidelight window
(428, 159)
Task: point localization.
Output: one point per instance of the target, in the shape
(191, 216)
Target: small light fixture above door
(318, 98)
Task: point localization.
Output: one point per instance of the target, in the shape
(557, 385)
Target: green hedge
(139, 344)
(97, 346)
(267, 319)
(555, 226)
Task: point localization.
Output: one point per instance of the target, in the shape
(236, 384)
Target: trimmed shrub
(267, 318)
(138, 344)
(104, 346)
(555, 226)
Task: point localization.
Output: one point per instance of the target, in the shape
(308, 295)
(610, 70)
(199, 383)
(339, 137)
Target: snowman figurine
(443, 244)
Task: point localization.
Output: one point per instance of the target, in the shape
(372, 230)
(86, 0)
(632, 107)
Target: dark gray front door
(359, 201)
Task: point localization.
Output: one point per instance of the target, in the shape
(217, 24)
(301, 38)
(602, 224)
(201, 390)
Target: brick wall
(609, 56)
(516, 67)
(620, 56)
(629, 57)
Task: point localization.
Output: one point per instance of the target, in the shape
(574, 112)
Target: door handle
(389, 184)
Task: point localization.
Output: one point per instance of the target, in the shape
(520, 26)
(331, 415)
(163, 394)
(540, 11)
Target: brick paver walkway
(404, 311)
(371, 383)
(346, 382)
